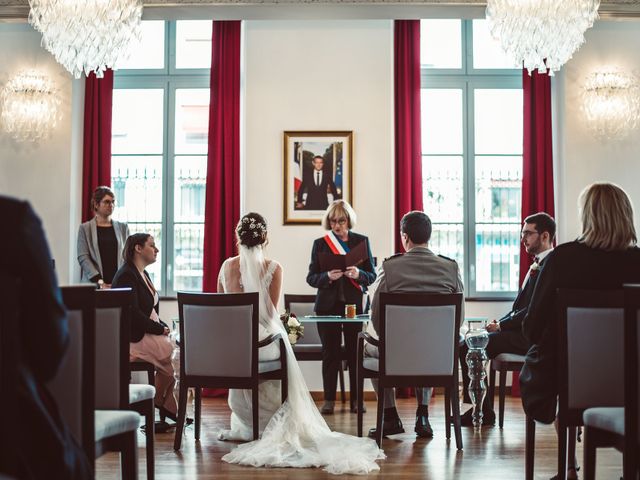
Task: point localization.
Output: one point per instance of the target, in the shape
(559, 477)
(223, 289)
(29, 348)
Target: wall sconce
(29, 106)
(611, 104)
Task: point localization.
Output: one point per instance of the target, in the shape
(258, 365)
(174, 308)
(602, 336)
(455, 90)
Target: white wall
(48, 173)
(318, 75)
(583, 158)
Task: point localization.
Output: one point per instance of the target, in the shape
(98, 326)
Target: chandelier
(87, 35)
(29, 106)
(611, 103)
(541, 34)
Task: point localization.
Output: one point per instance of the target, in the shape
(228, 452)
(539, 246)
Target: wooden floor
(493, 454)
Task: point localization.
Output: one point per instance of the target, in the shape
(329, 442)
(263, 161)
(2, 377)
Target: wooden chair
(584, 379)
(73, 388)
(309, 346)
(503, 363)
(617, 427)
(418, 347)
(219, 349)
(113, 391)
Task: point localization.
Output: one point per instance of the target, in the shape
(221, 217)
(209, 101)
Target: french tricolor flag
(297, 168)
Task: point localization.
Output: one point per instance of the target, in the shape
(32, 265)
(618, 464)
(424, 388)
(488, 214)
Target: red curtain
(408, 150)
(537, 171)
(222, 204)
(222, 207)
(96, 154)
(408, 136)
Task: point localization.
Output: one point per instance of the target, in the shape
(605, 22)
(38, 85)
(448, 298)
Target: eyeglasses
(339, 221)
(108, 202)
(527, 233)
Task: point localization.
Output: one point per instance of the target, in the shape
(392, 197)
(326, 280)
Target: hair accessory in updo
(252, 230)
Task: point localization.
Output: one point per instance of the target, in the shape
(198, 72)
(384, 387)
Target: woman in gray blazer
(101, 240)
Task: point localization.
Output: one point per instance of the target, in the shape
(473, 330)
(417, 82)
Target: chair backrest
(419, 334)
(632, 365)
(302, 305)
(218, 334)
(113, 311)
(591, 346)
(10, 359)
(73, 385)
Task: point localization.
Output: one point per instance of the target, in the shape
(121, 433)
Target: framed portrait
(317, 170)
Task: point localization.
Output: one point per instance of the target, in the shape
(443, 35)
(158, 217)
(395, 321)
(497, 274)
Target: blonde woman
(336, 289)
(604, 256)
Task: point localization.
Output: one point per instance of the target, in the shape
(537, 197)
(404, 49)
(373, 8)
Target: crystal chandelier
(29, 106)
(611, 104)
(87, 35)
(541, 34)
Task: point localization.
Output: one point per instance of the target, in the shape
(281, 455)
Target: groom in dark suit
(316, 187)
(505, 335)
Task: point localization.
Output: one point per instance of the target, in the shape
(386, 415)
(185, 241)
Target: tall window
(159, 146)
(472, 152)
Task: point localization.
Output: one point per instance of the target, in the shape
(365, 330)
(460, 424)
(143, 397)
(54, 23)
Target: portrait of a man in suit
(317, 185)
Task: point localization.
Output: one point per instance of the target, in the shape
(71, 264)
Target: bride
(294, 434)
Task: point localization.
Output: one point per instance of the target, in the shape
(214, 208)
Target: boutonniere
(533, 269)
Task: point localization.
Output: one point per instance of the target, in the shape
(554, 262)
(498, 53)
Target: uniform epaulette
(394, 256)
(447, 258)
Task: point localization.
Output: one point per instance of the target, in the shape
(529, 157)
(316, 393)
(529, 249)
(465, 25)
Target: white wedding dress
(294, 434)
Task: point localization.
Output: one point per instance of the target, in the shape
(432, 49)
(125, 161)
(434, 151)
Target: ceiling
(17, 10)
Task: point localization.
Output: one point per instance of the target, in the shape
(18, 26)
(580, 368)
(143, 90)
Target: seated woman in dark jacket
(603, 257)
(149, 335)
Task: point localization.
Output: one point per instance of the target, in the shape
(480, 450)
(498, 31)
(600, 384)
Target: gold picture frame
(318, 168)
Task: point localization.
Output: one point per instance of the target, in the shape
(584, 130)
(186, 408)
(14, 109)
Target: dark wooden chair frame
(567, 417)
(628, 443)
(502, 379)
(82, 298)
(249, 383)
(313, 356)
(449, 382)
(121, 297)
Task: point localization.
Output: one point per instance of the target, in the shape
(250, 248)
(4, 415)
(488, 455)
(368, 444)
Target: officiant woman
(337, 288)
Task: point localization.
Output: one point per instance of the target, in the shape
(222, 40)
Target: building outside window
(472, 153)
(159, 146)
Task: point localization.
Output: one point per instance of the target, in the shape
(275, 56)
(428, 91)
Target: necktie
(536, 259)
(318, 179)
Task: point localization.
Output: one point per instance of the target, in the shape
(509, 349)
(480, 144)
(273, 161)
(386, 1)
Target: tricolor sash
(339, 248)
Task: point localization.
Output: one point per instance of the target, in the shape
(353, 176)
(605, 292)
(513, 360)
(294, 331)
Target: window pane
(193, 43)
(498, 121)
(442, 187)
(487, 51)
(188, 244)
(137, 121)
(192, 120)
(441, 121)
(441, 43)
(498, 189)
(149, 51)
(137, 185)
(139, 181)
(448, 239)
(497, 257)
(189, 193)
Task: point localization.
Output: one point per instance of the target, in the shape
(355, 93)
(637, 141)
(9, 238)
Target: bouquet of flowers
(293, 327)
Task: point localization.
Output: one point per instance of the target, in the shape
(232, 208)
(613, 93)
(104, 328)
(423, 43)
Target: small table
(333, 319)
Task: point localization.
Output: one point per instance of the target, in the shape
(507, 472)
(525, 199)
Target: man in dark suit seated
(417, 271)
(316, 188)
(505, 335)
(40, 445)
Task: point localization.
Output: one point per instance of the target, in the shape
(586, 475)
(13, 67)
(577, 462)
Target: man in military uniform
(417, 271)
